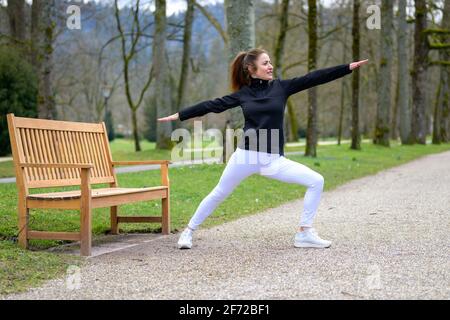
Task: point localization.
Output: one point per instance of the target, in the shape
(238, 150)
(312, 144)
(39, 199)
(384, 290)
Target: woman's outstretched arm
(317, 77)
(217, 105)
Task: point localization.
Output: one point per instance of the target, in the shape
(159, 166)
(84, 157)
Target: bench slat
(73, 236)
(138, 219)
(103, 141)
(67, 182)
(57, 125)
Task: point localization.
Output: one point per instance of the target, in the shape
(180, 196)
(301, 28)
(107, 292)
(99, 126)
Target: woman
(263, 101)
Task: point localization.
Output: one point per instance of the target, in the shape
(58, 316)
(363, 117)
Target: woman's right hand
(173, 117)
(357, 64)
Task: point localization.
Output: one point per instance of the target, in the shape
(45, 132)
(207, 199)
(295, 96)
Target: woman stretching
(263, 101)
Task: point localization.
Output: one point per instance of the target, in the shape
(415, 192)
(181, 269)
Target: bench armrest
(134, 163)
(164, 167)
(85, 174)
(57, 165)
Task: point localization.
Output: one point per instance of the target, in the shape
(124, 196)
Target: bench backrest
(51, 141)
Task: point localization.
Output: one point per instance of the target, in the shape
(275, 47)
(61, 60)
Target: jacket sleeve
(314, 78)
(217, 105)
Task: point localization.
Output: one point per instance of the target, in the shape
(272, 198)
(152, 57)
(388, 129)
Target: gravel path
(390, 235)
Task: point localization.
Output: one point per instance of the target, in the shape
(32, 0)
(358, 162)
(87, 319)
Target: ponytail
(240, 74)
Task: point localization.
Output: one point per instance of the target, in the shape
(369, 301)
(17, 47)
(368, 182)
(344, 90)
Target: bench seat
(95, 193)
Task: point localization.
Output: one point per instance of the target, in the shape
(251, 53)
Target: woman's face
(264, 67)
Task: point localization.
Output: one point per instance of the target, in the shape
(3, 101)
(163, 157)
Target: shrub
(18, 91)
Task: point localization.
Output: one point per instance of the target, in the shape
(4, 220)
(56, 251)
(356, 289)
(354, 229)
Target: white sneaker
(185, 241)
(310, 239)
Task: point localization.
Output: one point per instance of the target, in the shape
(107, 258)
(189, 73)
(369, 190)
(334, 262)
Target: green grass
(189, 185)
(6, 169)
(20, 269)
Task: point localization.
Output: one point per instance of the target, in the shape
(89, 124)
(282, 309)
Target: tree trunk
(163, 129)
(127, 57)
(188, 21)
(290, 120)
(137, 146)
(48, 104)
(419, 74)
(394, 119)
(342, 111)
(240, 21)
(42, 37)
(16, 15)
(441, 121)
(382, 126)
(356, 137)
(311, 130)
(35, 34)
(445, 106)
(281, 38)
(437, 115)
(293, 123)
(343, 85)
(403, 77)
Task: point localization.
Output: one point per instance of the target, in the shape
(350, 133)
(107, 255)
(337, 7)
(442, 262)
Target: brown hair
(240, 75)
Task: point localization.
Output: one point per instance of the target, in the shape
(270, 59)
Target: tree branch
(293, 65)
(213, 21)
(440, 62)
(436, 31)
(438, 46)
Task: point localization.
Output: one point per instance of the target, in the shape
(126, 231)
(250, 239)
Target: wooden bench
(50, 153)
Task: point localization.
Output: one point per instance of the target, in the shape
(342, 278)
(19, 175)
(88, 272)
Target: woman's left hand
(357, 64)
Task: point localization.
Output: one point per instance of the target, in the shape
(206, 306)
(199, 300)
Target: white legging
(244, 163)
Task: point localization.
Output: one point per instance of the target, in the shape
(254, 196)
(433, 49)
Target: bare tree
(444, 100)
(188, 21)
(344, 85)
(311, 130)
(240, 17)
(382, 125)
(441, 112)
(419, 73)
(163, 129)
(216, 24)
(42, 38)
(441, 43)
(127, 56)
(290, 125)
(356, 137)
(16, 15)
(403, 77)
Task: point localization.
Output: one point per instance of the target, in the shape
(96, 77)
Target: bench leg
(85, 214)
(165, 226)
(23, 226)
(114, 224)
(86, 233)
(86, 230)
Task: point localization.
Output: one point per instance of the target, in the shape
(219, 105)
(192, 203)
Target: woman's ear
(251, 69)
